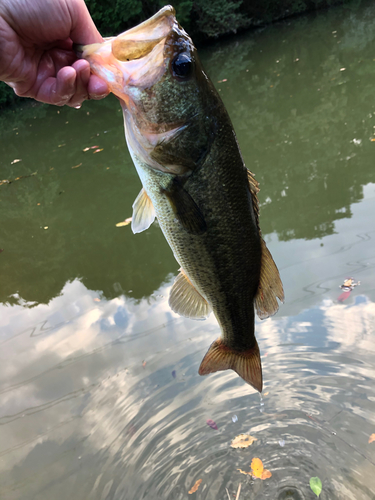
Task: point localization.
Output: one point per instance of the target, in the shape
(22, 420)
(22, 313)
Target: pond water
(99, 392)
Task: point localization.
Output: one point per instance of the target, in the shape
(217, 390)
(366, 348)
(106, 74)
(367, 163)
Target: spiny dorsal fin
(246, 363)
(143, 212)
(186, 300)
(270, 285)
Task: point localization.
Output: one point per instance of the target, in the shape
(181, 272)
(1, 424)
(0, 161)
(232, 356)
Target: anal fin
(186, 300)
(143, 212)
(270, 285)
(246, 364)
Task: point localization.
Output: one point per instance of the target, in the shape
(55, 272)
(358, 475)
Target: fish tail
(246, 363)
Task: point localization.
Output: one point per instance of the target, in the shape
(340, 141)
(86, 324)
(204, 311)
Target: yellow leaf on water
(195, 487)
(266, 394)
(257, 467)
(371, 438)
(98, 150)
(243, 441)
(373, 139)
(76, 166)
(124, 223)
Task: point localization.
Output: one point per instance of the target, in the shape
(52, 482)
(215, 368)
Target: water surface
(99, 392)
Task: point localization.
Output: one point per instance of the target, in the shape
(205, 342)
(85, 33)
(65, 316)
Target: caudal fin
(246, 363)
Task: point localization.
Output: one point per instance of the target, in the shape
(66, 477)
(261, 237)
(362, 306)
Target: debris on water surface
(347, 287)
(174, 374)
(98, 150)
(238, 492)
(316, 485)
(1, 250)
(349, 283)
(144, 363)
(234, 419)
(257, 470)
(371, 438)
(124, 223)
(76, 166)
(282, 443)
(212, 424)
(15, 161)
(90, 147)
(243, 441)
(195, 487)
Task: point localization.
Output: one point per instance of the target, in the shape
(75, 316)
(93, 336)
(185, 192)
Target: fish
(195, 182)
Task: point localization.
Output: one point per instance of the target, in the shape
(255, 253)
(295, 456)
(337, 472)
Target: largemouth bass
(195, 182)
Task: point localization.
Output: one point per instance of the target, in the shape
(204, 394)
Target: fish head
(167, 98)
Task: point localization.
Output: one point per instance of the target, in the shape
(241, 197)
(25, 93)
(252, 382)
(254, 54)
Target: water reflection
(92, 409)
(99, 392)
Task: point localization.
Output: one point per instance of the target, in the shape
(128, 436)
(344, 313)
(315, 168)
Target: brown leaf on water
(124, 223)
(371, 438)
(76, 166)
(243, 441)
(373, 139)
(195, 487)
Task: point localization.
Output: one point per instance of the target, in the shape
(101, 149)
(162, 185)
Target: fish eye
(182, 66)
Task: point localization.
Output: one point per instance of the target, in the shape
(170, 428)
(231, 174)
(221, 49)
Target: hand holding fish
(36, 55)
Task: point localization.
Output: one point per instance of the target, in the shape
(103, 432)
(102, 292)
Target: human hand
(36, 51)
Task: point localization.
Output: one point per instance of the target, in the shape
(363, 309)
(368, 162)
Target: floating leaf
(98, 150)
(316, 485)
(373, 139)
(266, 394)
(15, 161)
(144, 363)
(371, 438)
(257, 467)
(195, 487)
(258, 470)
(212, 424)
(124, 223)
(243, 441)
(76, 166)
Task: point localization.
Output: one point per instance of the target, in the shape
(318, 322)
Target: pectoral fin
(270, 286)
(186, 210)
(186, 300)
(246, 363)
(143, 212)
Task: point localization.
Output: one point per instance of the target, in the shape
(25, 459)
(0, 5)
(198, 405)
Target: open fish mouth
(134, 58)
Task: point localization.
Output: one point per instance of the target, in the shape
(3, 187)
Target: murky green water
(99, 392)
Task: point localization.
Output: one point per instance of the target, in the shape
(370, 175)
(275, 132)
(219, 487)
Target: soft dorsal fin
(186, 300)
(270, 285)
(254, 190)
(143, 212)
